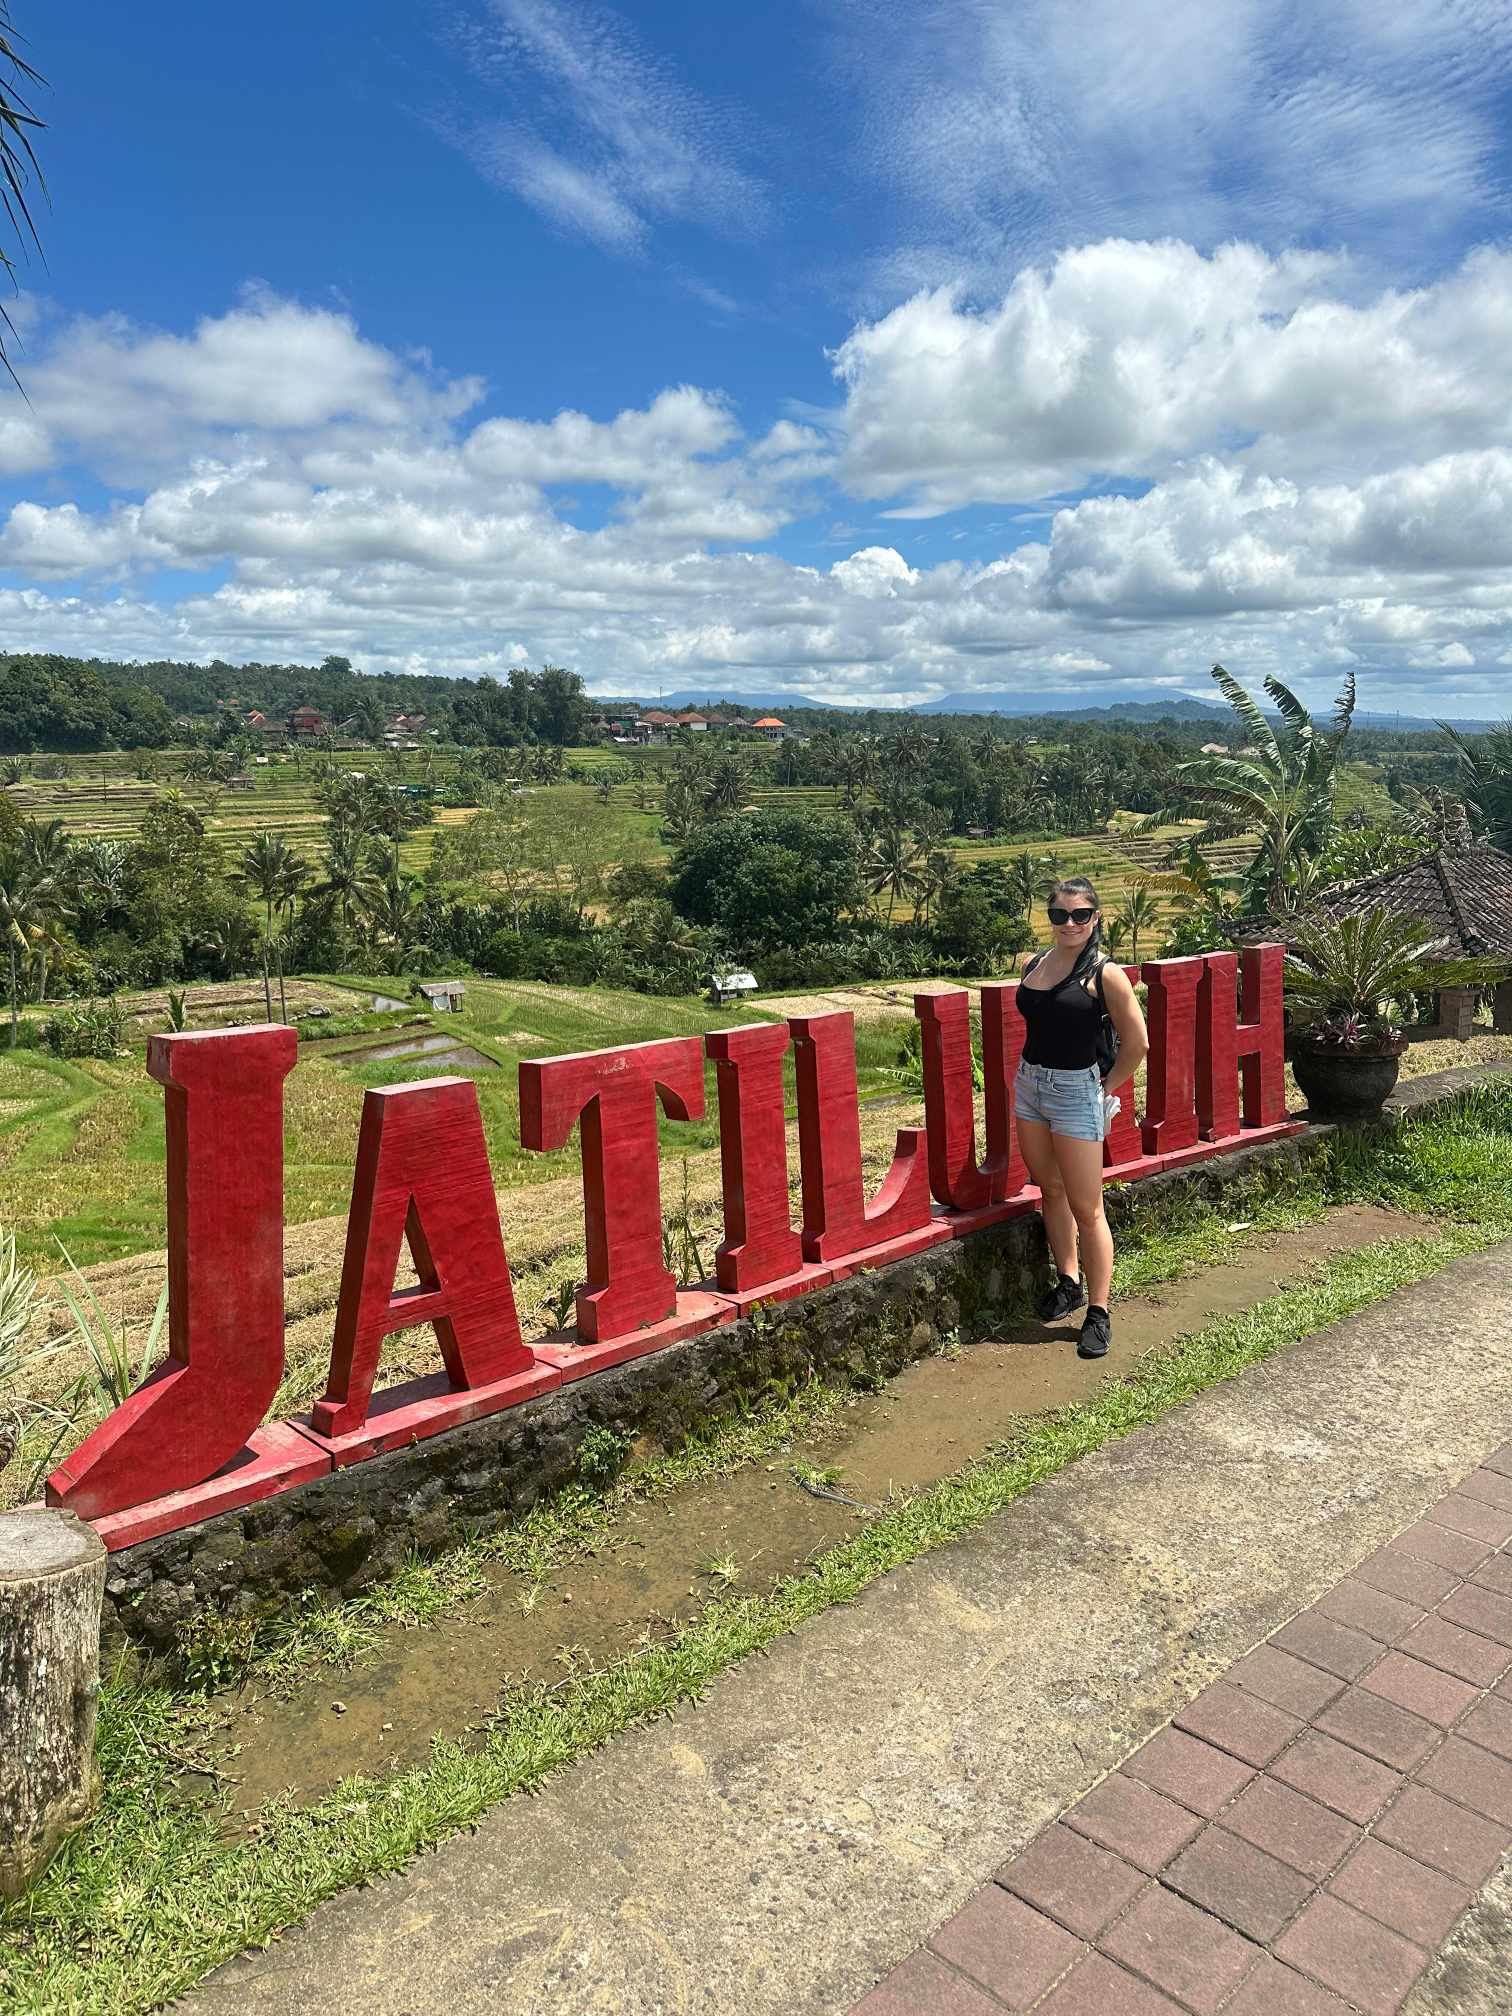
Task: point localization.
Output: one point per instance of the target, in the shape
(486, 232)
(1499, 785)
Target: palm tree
(47, 852)
(935, 875)
(1026, 877)
(859, 767)
(909, 749)
(18, 164)
(233, 940)
(1140, 912)
(726, 789)
(894, 864)
(28, 904)
(1485, 768)
(1283, 791)
(347, 877)
(393, 908)
(99, 871)
(274, 874)
(682, 807)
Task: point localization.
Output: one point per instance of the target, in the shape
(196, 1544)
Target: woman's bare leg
(1036, 1145)
(1081, 1172)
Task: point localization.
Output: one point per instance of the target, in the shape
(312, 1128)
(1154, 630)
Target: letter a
(422, 1174)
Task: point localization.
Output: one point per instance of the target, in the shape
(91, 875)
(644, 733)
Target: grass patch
(149, 1897)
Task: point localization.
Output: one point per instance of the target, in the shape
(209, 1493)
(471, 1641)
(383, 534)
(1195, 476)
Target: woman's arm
(1128, 1019)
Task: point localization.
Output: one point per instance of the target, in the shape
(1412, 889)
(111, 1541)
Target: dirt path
(657, 1563)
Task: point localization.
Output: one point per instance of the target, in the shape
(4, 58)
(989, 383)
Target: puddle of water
(660, 1563)
(438, 1048)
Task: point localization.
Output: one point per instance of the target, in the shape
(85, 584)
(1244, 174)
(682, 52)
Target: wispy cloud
(631, 145)
(1009, 128)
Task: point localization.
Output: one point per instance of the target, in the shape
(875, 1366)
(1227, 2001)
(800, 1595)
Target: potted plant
(1346, 976)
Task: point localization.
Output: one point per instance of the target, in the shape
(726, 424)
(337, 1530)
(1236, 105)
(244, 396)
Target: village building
(769, 728)
(305, 723)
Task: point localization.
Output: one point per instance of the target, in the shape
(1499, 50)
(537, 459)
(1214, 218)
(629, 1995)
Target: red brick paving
(1372, 1611)
(1007, 1947)
(1303, 1835)
(1072, 1880)
(1132, 1821)
(1298, 1831)
(1414, 1900)
(1232, 1720)
(1194, 1773)
(1179, 1949)
(1350, 1953)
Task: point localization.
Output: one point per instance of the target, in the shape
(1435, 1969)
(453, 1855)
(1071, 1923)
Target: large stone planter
(1341, 1086)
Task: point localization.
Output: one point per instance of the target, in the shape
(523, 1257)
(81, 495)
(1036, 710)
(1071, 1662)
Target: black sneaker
(1096, 1334)
(1065, 1296)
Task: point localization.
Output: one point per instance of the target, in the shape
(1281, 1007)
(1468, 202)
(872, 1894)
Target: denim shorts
(1067, 1102)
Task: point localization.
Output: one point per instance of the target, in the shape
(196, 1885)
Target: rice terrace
(756, 1061)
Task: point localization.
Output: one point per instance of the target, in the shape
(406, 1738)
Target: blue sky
(861, 352)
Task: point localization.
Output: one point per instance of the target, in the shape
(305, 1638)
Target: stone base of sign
(696, 1312)
(813, 1274)
(277, 1458)
(420, 1408)
(347, 1530)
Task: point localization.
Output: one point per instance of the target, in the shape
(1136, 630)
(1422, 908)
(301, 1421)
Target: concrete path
(780, 1848)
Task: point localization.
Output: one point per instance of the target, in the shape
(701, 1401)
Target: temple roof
(1463, 895)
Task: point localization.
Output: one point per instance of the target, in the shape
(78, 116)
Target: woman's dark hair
(1090, 954)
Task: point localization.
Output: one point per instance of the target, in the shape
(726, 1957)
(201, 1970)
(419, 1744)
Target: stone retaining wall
(345, 1532)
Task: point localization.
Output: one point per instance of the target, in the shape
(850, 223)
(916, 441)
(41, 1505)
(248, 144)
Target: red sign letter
(1170, 1120)
(1002, 1047)
(836, 1220)
(1255, 1047)
(760, 1245)
(1123, 1150)
(949, 1114)
(423, 1175)
(224, 1111)
(616, 1092)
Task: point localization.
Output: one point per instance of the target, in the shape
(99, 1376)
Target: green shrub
(92, 1029)
(602, 1454)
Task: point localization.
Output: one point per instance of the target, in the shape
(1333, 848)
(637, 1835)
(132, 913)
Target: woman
(1062, 1102)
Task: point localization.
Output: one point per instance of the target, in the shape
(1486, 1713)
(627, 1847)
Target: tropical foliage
(1351, 975)
(1278, 787)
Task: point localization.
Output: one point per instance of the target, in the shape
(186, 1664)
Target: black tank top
(1060, 1024)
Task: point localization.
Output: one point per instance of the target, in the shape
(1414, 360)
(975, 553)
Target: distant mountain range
(1091, 706)
(767, 702)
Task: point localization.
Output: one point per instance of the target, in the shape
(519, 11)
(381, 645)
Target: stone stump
(52, 1584)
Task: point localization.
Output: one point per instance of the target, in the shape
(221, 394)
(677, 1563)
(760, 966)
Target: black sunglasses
(1084, 915)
